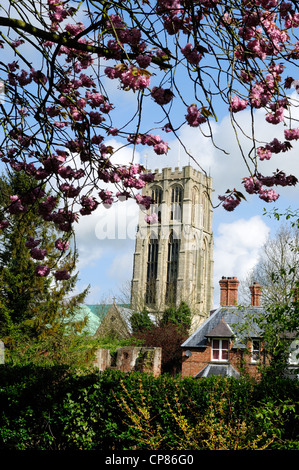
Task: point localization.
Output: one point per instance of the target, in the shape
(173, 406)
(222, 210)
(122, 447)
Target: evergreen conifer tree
(37, 307)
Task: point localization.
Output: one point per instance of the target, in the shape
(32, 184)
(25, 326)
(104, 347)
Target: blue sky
(106, 256)
(106, 239)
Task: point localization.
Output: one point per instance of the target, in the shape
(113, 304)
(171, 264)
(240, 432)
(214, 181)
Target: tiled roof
(237, 319)
(222, 330)
(224, 370)
(93, 321)
(101, 310)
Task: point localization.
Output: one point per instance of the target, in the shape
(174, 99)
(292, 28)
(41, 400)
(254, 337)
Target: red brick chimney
(255, 290)
(228, 291)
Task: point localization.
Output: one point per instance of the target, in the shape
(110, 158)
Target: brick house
(217, 347)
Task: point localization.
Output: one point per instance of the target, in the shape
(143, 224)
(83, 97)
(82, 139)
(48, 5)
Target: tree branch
(64, 39)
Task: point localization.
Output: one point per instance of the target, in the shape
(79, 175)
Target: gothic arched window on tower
(172, 269)
(176, 203)
(157, 198)
(152, 270)
(194, 208)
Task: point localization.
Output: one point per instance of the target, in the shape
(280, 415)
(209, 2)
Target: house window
(255, 350)
(220, 349)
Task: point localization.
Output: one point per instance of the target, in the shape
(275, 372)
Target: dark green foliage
(55, 408)
(180, 316)
(140, 321)
(36, 307)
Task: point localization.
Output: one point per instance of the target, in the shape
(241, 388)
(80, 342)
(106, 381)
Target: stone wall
(130, 358)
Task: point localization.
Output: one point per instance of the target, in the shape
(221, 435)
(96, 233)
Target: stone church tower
(173, 258)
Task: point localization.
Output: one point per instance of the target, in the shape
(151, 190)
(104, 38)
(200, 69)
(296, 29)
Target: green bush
(57, 408)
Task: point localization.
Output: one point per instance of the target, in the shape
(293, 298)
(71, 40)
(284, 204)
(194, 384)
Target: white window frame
(255, 351)
(220, 349)
(293, 353)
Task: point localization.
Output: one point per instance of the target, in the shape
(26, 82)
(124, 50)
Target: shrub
(58, 408)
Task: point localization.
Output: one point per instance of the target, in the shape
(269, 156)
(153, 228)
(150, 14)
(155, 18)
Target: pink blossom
(4, 224)
(113, 131)
(161, 96)
(69, 190)
(89, 204)
(229, 202)
(194, 117)
(106, 107)
(106, 197)
(144, 201)
(291, 134)
(151, 219)
(24, 79)
(17, 43)
(38, 76)
(38, 253)
(277, 117)
(191, 54)
(97, 139)
(74, 29)
(259, 95)
(60, 125)
(167, 127)
(264, 153)
(143, 60)
(95, 118)
(237, 104)
(87, 81)
(32, 243)
(66, 172)
(131, 77)
(76, 114)
(62, 245)
(42, 271)
(268, 195)
(252, 185)
(13, 66)
(148, 177)
(276, 147)
(16, 205)
(95, 99)
(47, 206)
(52, 111)
(161, 148)
(62, 275)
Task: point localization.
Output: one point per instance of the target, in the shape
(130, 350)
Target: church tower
(173, 258)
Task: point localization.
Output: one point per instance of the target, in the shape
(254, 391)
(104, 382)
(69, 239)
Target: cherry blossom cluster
(255, 185)
(41, 253)
(194, 117)
(159, 146)
(161, 96)
(131, 77)
(58, 118)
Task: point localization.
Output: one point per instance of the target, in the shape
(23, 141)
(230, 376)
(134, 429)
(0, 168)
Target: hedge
(56, 408)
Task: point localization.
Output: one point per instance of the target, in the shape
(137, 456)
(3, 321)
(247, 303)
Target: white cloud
(121, 268)
(236, 248)
(227, 170)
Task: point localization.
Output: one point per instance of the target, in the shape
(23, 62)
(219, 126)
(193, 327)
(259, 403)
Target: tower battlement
(180, 174)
